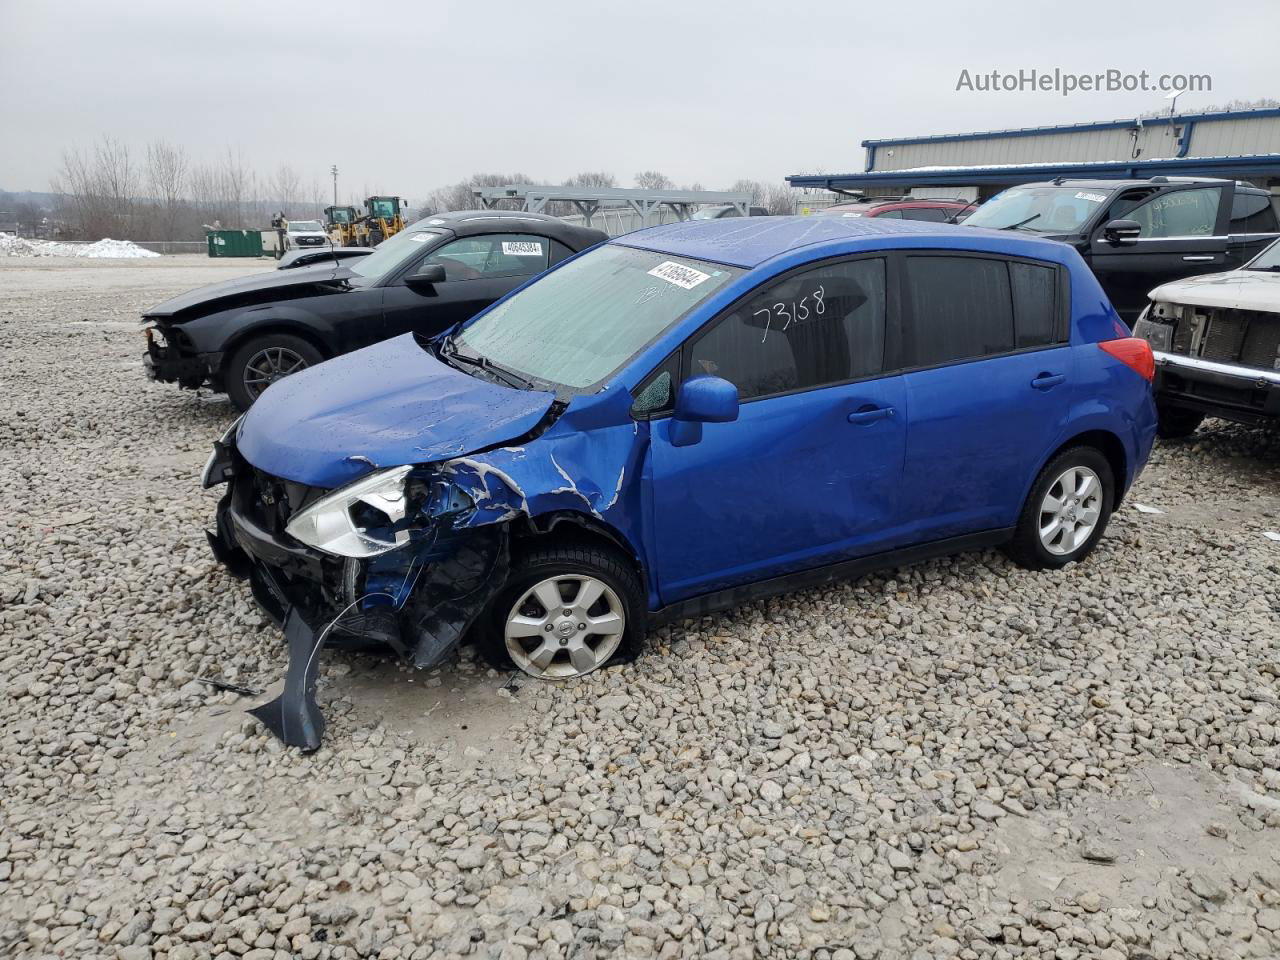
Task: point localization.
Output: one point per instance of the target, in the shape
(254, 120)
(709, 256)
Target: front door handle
(869, 414)
(1047, 381)
(1198, 258)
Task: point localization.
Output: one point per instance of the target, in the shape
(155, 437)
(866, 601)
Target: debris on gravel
(956, 759)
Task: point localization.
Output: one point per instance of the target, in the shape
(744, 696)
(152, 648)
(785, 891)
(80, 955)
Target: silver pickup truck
(1216, 340)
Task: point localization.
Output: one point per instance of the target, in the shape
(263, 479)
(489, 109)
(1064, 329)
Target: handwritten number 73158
(794, 311)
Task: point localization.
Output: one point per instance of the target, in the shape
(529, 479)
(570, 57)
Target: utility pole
(334, 170)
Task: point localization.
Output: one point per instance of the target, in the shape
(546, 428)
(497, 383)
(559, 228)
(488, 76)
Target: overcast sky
(407, 96)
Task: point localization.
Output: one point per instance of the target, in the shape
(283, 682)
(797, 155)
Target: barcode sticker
(522, 248)
(1091, 197)
(679, 274)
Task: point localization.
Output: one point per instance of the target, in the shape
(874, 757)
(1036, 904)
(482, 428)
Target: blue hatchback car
(682, 419)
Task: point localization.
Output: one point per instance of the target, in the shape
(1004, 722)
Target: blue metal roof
(1267, 165)
(750, 241)
(1074, 127)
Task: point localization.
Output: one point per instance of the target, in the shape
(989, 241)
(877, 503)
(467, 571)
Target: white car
(305, 234)
(1216, 340)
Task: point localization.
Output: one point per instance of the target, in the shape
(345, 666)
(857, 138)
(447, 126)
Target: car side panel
(339, 322)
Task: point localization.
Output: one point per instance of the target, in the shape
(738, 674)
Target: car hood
(384, 406)
(1235, 289)
(258, 288)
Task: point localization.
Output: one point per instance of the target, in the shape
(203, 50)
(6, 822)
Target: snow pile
(14, 246)
(114, 248)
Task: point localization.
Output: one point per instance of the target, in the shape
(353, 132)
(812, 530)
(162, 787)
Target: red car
(903, 208)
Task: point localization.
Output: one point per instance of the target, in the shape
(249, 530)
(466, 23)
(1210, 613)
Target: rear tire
(261, 361)
(550, 641)
(1066, 512)
(1176, 423)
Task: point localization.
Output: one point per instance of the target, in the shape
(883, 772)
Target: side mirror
(1121, 233)
(427, 275)
(702, 400)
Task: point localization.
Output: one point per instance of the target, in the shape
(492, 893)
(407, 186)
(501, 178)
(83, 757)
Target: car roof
(750, 241)
(1103, 184)
(466, 223)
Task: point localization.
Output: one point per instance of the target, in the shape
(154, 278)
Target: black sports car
(242, 335)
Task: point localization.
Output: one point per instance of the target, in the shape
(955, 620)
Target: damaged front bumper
(171, 359)
(418, 598)
(1231, 391)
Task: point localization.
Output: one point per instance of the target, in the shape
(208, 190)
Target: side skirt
(720, 600)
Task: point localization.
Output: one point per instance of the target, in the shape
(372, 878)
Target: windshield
(579, 324)
(384, 208)
(393, 251)
(1268, 259)
(1040, 209)
(300, 226)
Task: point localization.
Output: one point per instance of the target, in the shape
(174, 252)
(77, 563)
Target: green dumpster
(234, 243)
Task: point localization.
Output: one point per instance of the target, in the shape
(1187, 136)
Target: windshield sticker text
(1091, 197)
(421, 237)
(522, 248)
(679, 274)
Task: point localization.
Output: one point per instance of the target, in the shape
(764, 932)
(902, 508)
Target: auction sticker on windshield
(679, 274)
(522, 248)
(1092, 197)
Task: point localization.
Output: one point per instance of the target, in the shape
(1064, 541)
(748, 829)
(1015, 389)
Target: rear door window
(813, 328)
(961, 308)
(1253, 213)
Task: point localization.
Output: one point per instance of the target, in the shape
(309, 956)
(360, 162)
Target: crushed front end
(1216, 360)
(172, 358)
(381, 561)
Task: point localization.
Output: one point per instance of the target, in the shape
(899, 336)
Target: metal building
(1231, 144)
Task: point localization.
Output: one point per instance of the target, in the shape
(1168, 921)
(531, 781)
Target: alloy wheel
(1070, 511)
(564, 627)
(269, 365)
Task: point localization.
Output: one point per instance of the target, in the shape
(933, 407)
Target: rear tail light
(1133, 353)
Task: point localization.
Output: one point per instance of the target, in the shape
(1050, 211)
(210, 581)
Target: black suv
(1138, 234)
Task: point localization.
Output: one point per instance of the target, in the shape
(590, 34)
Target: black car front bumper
(1231, 391)
(169, 359)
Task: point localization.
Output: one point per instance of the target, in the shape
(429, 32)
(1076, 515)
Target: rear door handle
(870, 415)
(1198, 258)
(1047, 381)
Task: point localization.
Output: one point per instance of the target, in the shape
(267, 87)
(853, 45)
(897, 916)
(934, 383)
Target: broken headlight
(217, 468)
(362, 519)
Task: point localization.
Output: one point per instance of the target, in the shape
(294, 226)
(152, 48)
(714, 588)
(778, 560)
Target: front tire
(1066, 512)
(1176, 423)
(565, 611)
(262, 361)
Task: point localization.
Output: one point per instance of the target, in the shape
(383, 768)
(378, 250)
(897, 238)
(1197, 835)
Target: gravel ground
(957, 759)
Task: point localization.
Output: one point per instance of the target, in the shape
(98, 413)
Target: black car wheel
(1066, 512)
(1176, 423)
(565, 610)
(262, 361)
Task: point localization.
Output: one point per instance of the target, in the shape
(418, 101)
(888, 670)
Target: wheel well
(1109, 445)
(570, 527)
(266, 330)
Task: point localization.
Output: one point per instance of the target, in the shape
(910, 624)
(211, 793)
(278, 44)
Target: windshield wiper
(449, 351)
(1021, 223)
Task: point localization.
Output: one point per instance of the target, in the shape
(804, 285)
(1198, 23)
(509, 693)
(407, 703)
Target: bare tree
(592, 178)
(100, 190)
(653, 180)
(167, 169)
(283, 188)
